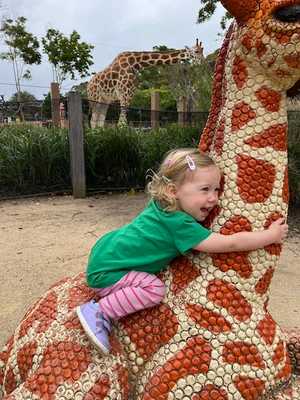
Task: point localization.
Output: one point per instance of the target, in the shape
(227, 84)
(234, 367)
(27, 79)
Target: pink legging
(134, 292)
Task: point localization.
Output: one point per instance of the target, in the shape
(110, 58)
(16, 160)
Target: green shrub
(34, 159)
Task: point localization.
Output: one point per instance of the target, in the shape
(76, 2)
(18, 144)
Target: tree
(67, 55)
(208, 9)
(23, 96)
(23, 49)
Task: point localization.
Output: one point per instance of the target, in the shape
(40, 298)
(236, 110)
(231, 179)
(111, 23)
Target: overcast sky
(112, 27)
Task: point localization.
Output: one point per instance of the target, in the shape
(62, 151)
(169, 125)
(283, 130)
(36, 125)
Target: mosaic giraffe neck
(119, 80)
(212, 338)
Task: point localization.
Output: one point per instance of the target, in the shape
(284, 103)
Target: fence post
(182, 110)
(76, 145)
(155, 109)
(55, 97)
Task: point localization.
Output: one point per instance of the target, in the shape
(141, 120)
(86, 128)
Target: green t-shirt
(148, 244)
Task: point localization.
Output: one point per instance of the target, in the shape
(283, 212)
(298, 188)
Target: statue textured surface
(212, 337)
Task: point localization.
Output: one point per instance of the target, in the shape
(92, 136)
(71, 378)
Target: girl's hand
(279, 229)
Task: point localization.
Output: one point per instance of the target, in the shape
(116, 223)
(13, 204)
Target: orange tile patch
(285, 187)
(285, 373)
(275, 137)
(247, 41)
(242, 113)
(211, 392)
(264, 282)
(225, 295)
(208, 319)
(250, 388)
(62, 362)
(79, 294)
(99, 390)
(239, 72)
(193, 359)
(238, 262)
(269, 98)
(10, 381)
(261, 48)
(242, 353)
(267, 328)
(4, 355)
(219, 138)
(44, 314)
(279, 352)
(73, 322)
(293, 61)
(25, 359)
(183, 273)
(150, 329)
(255, 179)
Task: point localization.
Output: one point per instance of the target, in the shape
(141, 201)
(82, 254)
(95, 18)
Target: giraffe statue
(118, 81)
(213, 336)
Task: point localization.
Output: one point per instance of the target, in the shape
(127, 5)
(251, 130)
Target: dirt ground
(45, 239)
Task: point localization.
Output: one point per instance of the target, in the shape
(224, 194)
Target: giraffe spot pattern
(242, 353)
(25, 358)
(150, 329)
(208, 319)
(278, 356)
(274, 136)
(255, 179)
(285, 188)
(62, 362)
(264, 282)
(224, 294)
(193, 359)
(99, 390)
(183, 272)
(44, 315)
(211, 392)
(219, 138)
(242, 113)
(239, 72)
(238, 262)
(250, 388)
(267, 328)
(269, 98)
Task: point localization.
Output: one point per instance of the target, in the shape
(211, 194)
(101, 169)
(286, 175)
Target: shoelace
(102, 323)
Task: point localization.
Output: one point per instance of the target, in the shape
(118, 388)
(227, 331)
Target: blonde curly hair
(174, 169)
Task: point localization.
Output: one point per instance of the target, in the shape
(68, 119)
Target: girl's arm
(244, 241)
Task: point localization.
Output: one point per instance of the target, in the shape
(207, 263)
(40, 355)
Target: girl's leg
(135, 291)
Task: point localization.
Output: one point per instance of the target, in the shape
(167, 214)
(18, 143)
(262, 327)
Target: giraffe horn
(197, 42)
(241, 10)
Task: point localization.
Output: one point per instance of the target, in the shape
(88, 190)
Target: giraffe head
(269, 38)
(195, 53)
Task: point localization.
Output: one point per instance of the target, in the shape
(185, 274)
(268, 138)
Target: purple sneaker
(95, 324)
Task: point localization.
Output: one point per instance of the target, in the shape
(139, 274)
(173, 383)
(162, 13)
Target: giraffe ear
(241, 10)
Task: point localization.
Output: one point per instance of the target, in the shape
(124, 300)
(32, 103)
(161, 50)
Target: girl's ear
(172, 190)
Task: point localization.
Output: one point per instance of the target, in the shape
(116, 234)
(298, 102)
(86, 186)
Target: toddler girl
(123, 263)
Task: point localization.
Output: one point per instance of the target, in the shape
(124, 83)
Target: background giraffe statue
(118, 81)
(212, 337)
